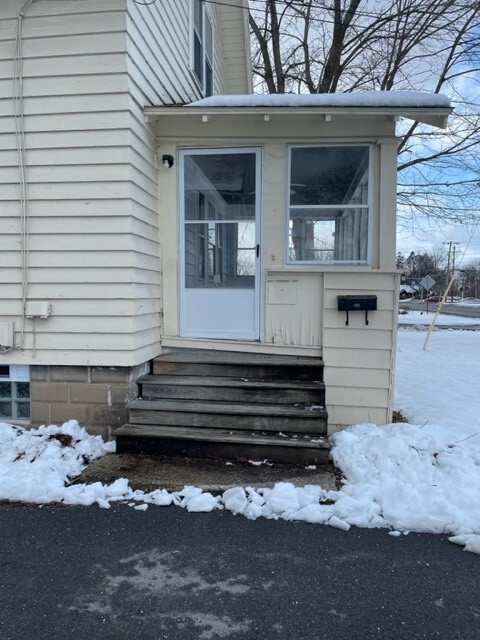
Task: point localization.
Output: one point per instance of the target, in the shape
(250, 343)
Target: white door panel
(223, 313)
(220, 220)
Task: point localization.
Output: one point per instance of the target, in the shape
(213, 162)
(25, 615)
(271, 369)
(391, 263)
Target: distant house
(138, 214)
(409, 291)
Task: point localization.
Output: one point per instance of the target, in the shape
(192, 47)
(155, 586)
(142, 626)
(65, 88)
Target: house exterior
(409, 291)
(137, 213)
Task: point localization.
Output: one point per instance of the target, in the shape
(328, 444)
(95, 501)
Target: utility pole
(450, 252)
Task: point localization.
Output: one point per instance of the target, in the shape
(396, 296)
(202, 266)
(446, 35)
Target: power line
(323, 20)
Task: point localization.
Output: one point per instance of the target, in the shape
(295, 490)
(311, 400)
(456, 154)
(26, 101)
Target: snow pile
(404, 477)
(38, 465)
(400, 476)
(419, 478)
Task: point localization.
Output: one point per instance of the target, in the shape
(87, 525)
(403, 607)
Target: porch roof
(429, 108)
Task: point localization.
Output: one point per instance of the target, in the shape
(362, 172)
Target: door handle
(258, 250)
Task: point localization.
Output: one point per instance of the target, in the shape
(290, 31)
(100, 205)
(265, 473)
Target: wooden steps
(222, 443)
(231, 415)
(229, 389)
(229, 405)
(231, 364)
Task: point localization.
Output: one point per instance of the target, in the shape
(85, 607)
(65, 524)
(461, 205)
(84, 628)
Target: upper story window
(329, 205)
(202, 46)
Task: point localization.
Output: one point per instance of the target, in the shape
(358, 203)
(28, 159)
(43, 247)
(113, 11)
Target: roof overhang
(428, 108)
(435, 116)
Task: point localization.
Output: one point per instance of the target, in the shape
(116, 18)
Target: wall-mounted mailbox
(366, 302)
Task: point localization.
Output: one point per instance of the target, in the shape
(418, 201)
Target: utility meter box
(6, 334)
(40, 309)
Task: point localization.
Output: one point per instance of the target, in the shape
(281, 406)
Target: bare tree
(322, 46)
(470, 279)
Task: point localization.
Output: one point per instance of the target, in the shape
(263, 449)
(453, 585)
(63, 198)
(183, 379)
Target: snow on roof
(374, 99)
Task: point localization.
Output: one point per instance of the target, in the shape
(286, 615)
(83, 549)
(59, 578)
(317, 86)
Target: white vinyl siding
(158, 48)
(232, 48)
(88, 256)
(359, 358)
(90, 66)
(158, 73)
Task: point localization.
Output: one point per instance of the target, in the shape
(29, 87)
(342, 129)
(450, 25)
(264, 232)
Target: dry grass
(398, 416)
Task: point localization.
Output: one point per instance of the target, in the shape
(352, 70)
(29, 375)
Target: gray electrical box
(6, 334)
(38, 309)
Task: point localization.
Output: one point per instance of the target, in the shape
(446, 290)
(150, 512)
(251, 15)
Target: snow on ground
(424, 318)
(466, 302)
(417, 476)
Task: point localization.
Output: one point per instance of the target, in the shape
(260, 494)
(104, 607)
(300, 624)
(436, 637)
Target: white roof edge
(194, 110)
(435, 116)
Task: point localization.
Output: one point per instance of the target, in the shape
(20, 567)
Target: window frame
(214, 251)
(17, 374)
(368, 207)
(207, 68)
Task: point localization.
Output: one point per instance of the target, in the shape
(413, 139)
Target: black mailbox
(366, 302)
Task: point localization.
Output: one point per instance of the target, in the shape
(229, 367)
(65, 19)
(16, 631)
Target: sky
(427, 237)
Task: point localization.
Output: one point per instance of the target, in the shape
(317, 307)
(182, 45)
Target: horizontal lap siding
(359, 358)
(158, 44)
(235, 47)
(89, 69)
(158, 73)
(159, 52)
(158, 67)
(88, 257)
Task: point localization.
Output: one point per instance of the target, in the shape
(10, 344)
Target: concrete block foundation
(95, 396)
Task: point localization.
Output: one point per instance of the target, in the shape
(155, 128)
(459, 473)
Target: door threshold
(244, 346)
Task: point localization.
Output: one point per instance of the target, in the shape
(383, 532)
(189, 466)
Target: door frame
(258, 288)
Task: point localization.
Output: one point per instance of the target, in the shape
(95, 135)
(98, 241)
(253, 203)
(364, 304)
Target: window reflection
(329, 213)
(220, 201)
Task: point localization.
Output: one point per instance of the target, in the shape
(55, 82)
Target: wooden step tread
(212, 381)
(222, 435)
(229, 408)
(205, 356)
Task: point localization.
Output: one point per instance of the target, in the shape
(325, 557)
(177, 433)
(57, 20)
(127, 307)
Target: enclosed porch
(270, 213)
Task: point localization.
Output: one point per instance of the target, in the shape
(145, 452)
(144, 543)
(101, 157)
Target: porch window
(202, 46)
(329, 205)
(14, 393)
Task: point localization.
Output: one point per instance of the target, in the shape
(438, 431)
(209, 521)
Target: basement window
(14, 392)
(329, 205)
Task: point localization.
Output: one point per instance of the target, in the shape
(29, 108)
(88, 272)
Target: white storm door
(219, 250)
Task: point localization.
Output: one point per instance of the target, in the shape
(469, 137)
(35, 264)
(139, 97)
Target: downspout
(19, 117)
